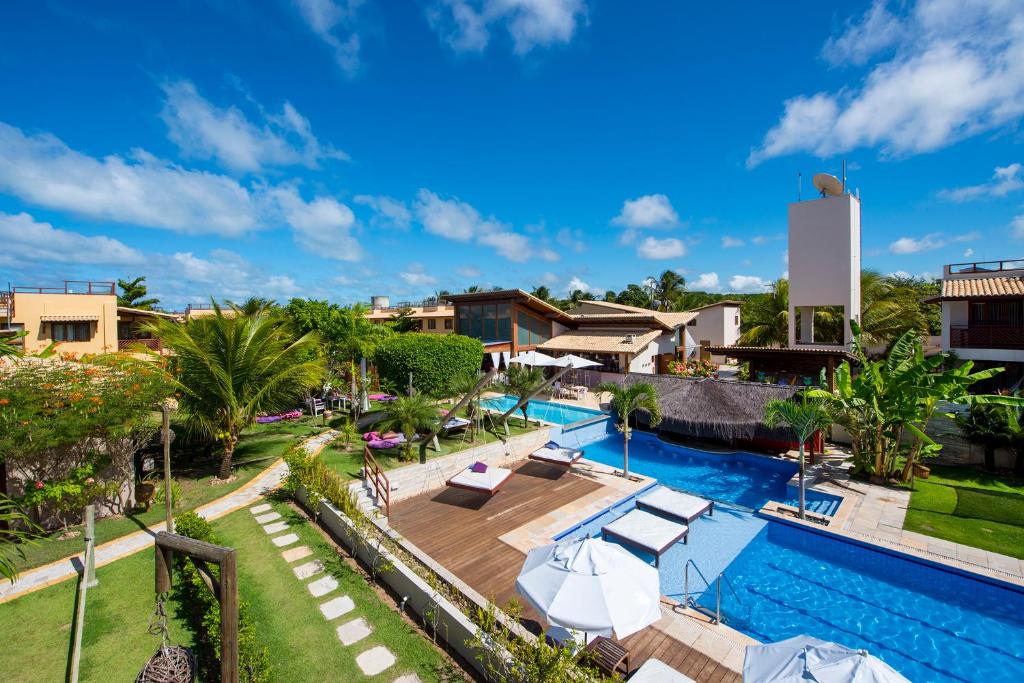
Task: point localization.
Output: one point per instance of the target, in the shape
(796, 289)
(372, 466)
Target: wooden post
(169, 515)
(87, 581)
(226, 590)
(90, 546)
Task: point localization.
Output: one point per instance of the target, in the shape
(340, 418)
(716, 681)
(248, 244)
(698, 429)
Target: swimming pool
(555, 413)
(744, 479)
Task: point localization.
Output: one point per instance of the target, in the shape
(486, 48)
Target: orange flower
(4, 402)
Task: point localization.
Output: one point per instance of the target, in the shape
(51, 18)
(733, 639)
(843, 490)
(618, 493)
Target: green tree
(227, 369)
(626, 400)
(254, 305)
(987, 425)
(804, 418)
(9, 349)
(402, 321)
(668, 287)
(133, 294)
(462, 385)
(523, 381)
(542, 293)
(634, 295)
(408, 415)
(16, 529)
(766, 317)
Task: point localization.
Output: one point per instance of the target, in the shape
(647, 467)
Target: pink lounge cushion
(371, 436)
(478, 467)
(382, 444)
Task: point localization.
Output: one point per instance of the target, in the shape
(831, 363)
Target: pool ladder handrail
(717, 615)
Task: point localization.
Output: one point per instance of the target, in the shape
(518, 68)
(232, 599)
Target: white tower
(824, 259)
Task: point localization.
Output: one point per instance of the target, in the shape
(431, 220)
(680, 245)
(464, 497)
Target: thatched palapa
(714, 409)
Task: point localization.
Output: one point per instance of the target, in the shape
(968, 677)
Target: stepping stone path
(275, 527)
(269, 517)
(304, 571)
(322, 586)
(353, 631)
(375, 660)
(285, 539)
(408, 678)
(334, 608)
(257, 509)
(298, 553)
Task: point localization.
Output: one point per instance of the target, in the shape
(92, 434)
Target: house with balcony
(983, 317)
(430, 315)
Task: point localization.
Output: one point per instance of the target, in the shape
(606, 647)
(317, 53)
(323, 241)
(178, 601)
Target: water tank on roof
(380, 301)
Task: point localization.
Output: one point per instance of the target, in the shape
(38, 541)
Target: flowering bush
(692, 368)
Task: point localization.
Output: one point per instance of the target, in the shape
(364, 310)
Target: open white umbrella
(803, 658)
(535, 358)
(591, 586)
(576, 362)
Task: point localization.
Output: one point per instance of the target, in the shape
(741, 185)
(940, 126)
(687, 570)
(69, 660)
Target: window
(737, 321)
(532, 330)
(448, 323)
(71, 332)
(431, 324)
(489, 322)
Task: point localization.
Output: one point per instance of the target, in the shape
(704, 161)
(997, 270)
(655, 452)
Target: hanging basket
(169, 664)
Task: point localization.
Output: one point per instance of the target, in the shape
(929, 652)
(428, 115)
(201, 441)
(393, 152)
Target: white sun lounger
(456, 423)
(676, 504)
(647, 532)
(480, 482)
(657, 671)
(563, 457)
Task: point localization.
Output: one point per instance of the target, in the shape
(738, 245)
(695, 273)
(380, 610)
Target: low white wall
(416, 479)
(432, 607)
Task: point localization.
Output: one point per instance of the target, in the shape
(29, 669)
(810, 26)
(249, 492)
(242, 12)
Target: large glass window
(533, 331)
(70, 332)
(489, 322)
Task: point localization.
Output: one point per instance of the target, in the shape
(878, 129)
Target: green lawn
(303, 646)
(970, 507)
(255, 451)
(348, 461)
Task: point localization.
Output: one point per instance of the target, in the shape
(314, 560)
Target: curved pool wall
(547, 411)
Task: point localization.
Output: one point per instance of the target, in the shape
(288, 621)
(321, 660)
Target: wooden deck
(460, 530)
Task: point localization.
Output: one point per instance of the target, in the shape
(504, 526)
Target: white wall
(717, 325)
(824, 257)
(646, 361)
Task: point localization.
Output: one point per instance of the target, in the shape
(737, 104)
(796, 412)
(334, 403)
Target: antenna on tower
(844, 176)
(799, 185)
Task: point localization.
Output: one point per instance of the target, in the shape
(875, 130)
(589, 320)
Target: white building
(716, 324)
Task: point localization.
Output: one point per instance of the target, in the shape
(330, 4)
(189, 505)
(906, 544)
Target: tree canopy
(133, 294)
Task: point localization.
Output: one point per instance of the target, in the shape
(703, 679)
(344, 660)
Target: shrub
(691, 368)
(201, 611)
(434, 360)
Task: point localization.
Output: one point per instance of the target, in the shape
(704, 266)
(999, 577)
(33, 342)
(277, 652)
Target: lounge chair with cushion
(657, 671)
(455, 424)
(554, 454)
(675, 504)
(650, 533)
(480, 478)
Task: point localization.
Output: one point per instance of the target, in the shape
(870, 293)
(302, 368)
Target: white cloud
(957, 71)
(571, 239)
(877, 30)
(731, 242)
(549, 278)
(223, 275)
(469, 271)
(202, 130)
(465, 25)
(26, 240)
(648, 211)
(388, 212)
(705, 282)
(457, 220)
(327, 19)
(1017, 226)
(929, 242)
(659, 249)
(1005, 179)
(576, 283)
(747, 284)
(416, 276)
(765, 239)
(322, 226)
(968, 252)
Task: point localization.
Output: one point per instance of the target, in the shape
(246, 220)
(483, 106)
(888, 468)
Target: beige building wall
(37, 312)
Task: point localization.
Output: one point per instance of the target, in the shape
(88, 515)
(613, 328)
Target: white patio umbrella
(803, 658)
(535, 358)
(591, 586)
(576, 362)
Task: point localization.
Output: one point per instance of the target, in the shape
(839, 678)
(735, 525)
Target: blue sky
(341, 149)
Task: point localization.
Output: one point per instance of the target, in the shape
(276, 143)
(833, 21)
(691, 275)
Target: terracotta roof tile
(966, 288)
(601, 341)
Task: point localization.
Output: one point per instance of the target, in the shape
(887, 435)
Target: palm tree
(15, 529)
(766, 317)
(627, 400)
(133, 294)
(462, 385)
(523, 381)
(253, 305)
(227, 369)
(357, 339)
(667, 288)
(804, 419)
(408, 415)
(9, 348)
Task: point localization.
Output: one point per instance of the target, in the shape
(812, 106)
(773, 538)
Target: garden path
(69, 567)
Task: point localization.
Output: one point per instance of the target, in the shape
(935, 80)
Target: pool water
(555, 413)
(743, 479)
(928, 623)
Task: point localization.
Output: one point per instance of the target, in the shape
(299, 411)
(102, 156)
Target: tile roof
(978, 287)
(667, 320)
(601, 341)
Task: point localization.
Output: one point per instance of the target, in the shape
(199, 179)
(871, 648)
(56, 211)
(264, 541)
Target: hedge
(202, 613)
(433, 359)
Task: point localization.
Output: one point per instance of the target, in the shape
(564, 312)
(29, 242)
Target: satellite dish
(828, 185)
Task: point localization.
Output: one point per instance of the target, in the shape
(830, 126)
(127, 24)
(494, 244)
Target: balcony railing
(984, 267)
(70, 287)
(986, 337)
(131, 344)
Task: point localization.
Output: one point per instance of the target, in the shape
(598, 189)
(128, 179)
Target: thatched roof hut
(714, 409)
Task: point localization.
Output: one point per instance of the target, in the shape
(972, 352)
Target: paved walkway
(69, 567)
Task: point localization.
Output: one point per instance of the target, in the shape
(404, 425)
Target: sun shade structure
(803, 658)
(534, 358)
(592, 587)
(647, 532)
(571, 361)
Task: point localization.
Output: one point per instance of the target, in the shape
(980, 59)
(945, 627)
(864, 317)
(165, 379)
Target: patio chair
(316, 406)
